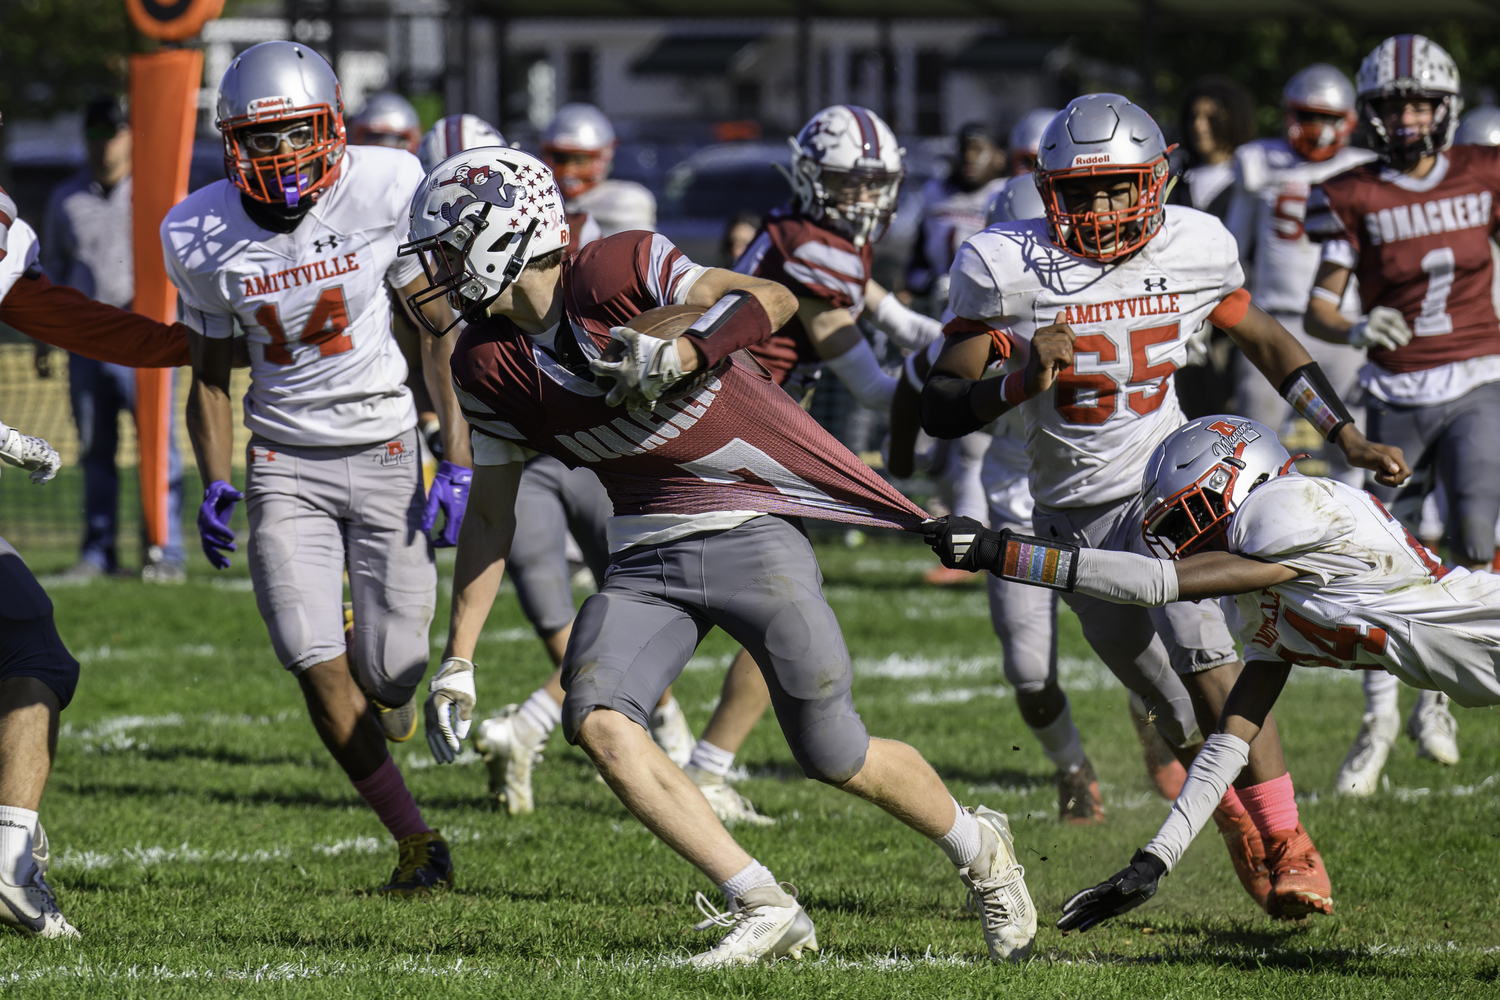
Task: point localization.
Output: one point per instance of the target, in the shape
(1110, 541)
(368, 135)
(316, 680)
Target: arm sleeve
(66, 318)
(1220, 761)
(1126, 578)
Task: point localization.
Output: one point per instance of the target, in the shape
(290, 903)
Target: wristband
(1308, 392)
(1327, 295)
(1013, 389)
(736, 321)
(1036, 561)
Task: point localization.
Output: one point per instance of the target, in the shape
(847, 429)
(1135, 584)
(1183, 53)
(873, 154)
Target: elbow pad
(736, 321)
(946, 410)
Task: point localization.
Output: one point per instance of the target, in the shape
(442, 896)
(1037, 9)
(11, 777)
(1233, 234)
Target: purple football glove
(213, 521)
(450, 494)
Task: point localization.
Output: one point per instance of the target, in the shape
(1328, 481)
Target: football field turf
(206, 844)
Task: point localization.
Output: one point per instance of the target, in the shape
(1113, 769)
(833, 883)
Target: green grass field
(206, 845)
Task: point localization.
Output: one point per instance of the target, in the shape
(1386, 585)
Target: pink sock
(1272, 805)
(1231, 803)
(387, 795)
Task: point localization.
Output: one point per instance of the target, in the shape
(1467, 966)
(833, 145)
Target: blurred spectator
(1026, 139)
(1217, 117)
(953, 209)
(387, 119)
(86, 243)
(738, 233)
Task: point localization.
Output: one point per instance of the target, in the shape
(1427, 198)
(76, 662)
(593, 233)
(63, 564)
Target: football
(663, 323)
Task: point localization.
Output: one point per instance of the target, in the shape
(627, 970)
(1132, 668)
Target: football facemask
(445, 261)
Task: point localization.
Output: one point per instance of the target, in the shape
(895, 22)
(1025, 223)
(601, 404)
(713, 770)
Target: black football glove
(1124, 891)
(963, 543)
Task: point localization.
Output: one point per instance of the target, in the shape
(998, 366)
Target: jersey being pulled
(1272, 182)
(1090, 437)
(737, 444)
(1371, 596)
(815, 263)
(950, 215)
(1422, 247)
(324, 368)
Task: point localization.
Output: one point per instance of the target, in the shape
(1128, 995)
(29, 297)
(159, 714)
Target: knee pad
(833, 748)
(390, 655)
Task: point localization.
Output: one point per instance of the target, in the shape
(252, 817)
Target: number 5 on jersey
(324, 328)
(1093, 398)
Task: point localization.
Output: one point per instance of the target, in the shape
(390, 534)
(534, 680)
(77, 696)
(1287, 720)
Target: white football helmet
(455, 134)
(579, 145)
(1409, 66)
(387, 119)
(846, 172)
(476, 222)
(265, 87)
(1026, 138)
(1480, 127)
(1320, 89)
(1017, 200)
(1200, 474)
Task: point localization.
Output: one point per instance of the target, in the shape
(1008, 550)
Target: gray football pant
(1146, 648)
(760, 583)
(313, 513)
(1025, 621)
(552, 502)
(1457, 442)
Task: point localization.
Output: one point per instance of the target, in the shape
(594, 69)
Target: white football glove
(1384, 328)
(450, 708)
(648, 368)
(27, 452)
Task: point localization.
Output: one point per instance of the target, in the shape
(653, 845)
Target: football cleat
(1434, 728)
(1246, 852)
(1078, 800)
(1299, 882)
(997, 890)
(729, 805)
(670, 730)
(766, 924)
(422, 866)
(510, 751)
(32, 908)
(1360, 774)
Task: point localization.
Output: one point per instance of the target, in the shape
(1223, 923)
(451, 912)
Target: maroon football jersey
(738, 443)
(1426, 253)
(815, 263)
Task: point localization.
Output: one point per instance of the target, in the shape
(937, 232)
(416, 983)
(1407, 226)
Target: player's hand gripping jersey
(325, 370)
(1371, 594)
(1089, 438)
(1421, 247)
(815, 263)
(736, 448)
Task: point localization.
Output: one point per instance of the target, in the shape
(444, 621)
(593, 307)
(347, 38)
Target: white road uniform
(617, 206)
(1370, 595)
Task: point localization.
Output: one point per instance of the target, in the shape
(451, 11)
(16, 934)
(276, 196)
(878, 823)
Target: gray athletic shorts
(313, 513)
(554, 501)
(29, 643)
(1024, 618)
(1146, 648)
(1457, 443)
(760, 583)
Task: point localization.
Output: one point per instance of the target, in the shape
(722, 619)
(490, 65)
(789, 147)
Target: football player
(709, 467)
(1415, 229)
(1100, 298)
(1026, 139)
(579, 145)
(298, 247)
(387, 119)
(1322, 575)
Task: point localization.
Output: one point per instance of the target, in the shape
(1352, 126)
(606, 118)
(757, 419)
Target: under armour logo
(333, 241)
(1156, 284)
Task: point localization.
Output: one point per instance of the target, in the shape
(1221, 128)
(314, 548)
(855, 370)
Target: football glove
(450, 495)
(450, 708)
(1121, 893)
(647, 369)
(1385, 328)
(31, 453)
(213, 522)
(963, 543)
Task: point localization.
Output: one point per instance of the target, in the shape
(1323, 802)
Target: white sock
(707, 757)
(961, 843)
(17, 828)
(542, 712)
(1060, 741)
(1381, 689)
(752, 876)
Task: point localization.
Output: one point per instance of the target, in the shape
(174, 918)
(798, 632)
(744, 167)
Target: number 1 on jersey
(325, 328)
(1434, 321)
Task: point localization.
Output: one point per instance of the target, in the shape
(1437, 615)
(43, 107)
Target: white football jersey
(18, 250)
(618, 206)
(1089, 438)
(1371, 596)
(1271, 185)
(324, 367)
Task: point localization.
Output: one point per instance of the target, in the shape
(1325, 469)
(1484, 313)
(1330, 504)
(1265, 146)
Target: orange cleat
(942, 576)
(1299, 882)
(1164, 770)
(1247, 853)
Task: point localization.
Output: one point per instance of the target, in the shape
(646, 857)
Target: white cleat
(768, 924)
(1434, 728)
(32, 908)
(997, 889)
(510, 751)
(1360, 774)
(670, 730)
(729, 805)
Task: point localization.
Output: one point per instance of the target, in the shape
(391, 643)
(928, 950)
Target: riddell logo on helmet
(1090, 159)
(262, 105)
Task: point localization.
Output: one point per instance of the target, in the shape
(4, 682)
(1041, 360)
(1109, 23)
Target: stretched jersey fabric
(1422, 247)
(738, 444)
(1371, 597)
(324, 367)
(1272, 182)
(1090, 437)
(950, 215)
(815, 263)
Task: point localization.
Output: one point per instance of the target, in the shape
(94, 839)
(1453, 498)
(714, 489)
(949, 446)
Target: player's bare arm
(436, 352)
(483, 546)
(957, 400)
(210, 418)
(832, 330)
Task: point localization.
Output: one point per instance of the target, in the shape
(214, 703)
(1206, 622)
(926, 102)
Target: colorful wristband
(1308, 392)
(1038, 562)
